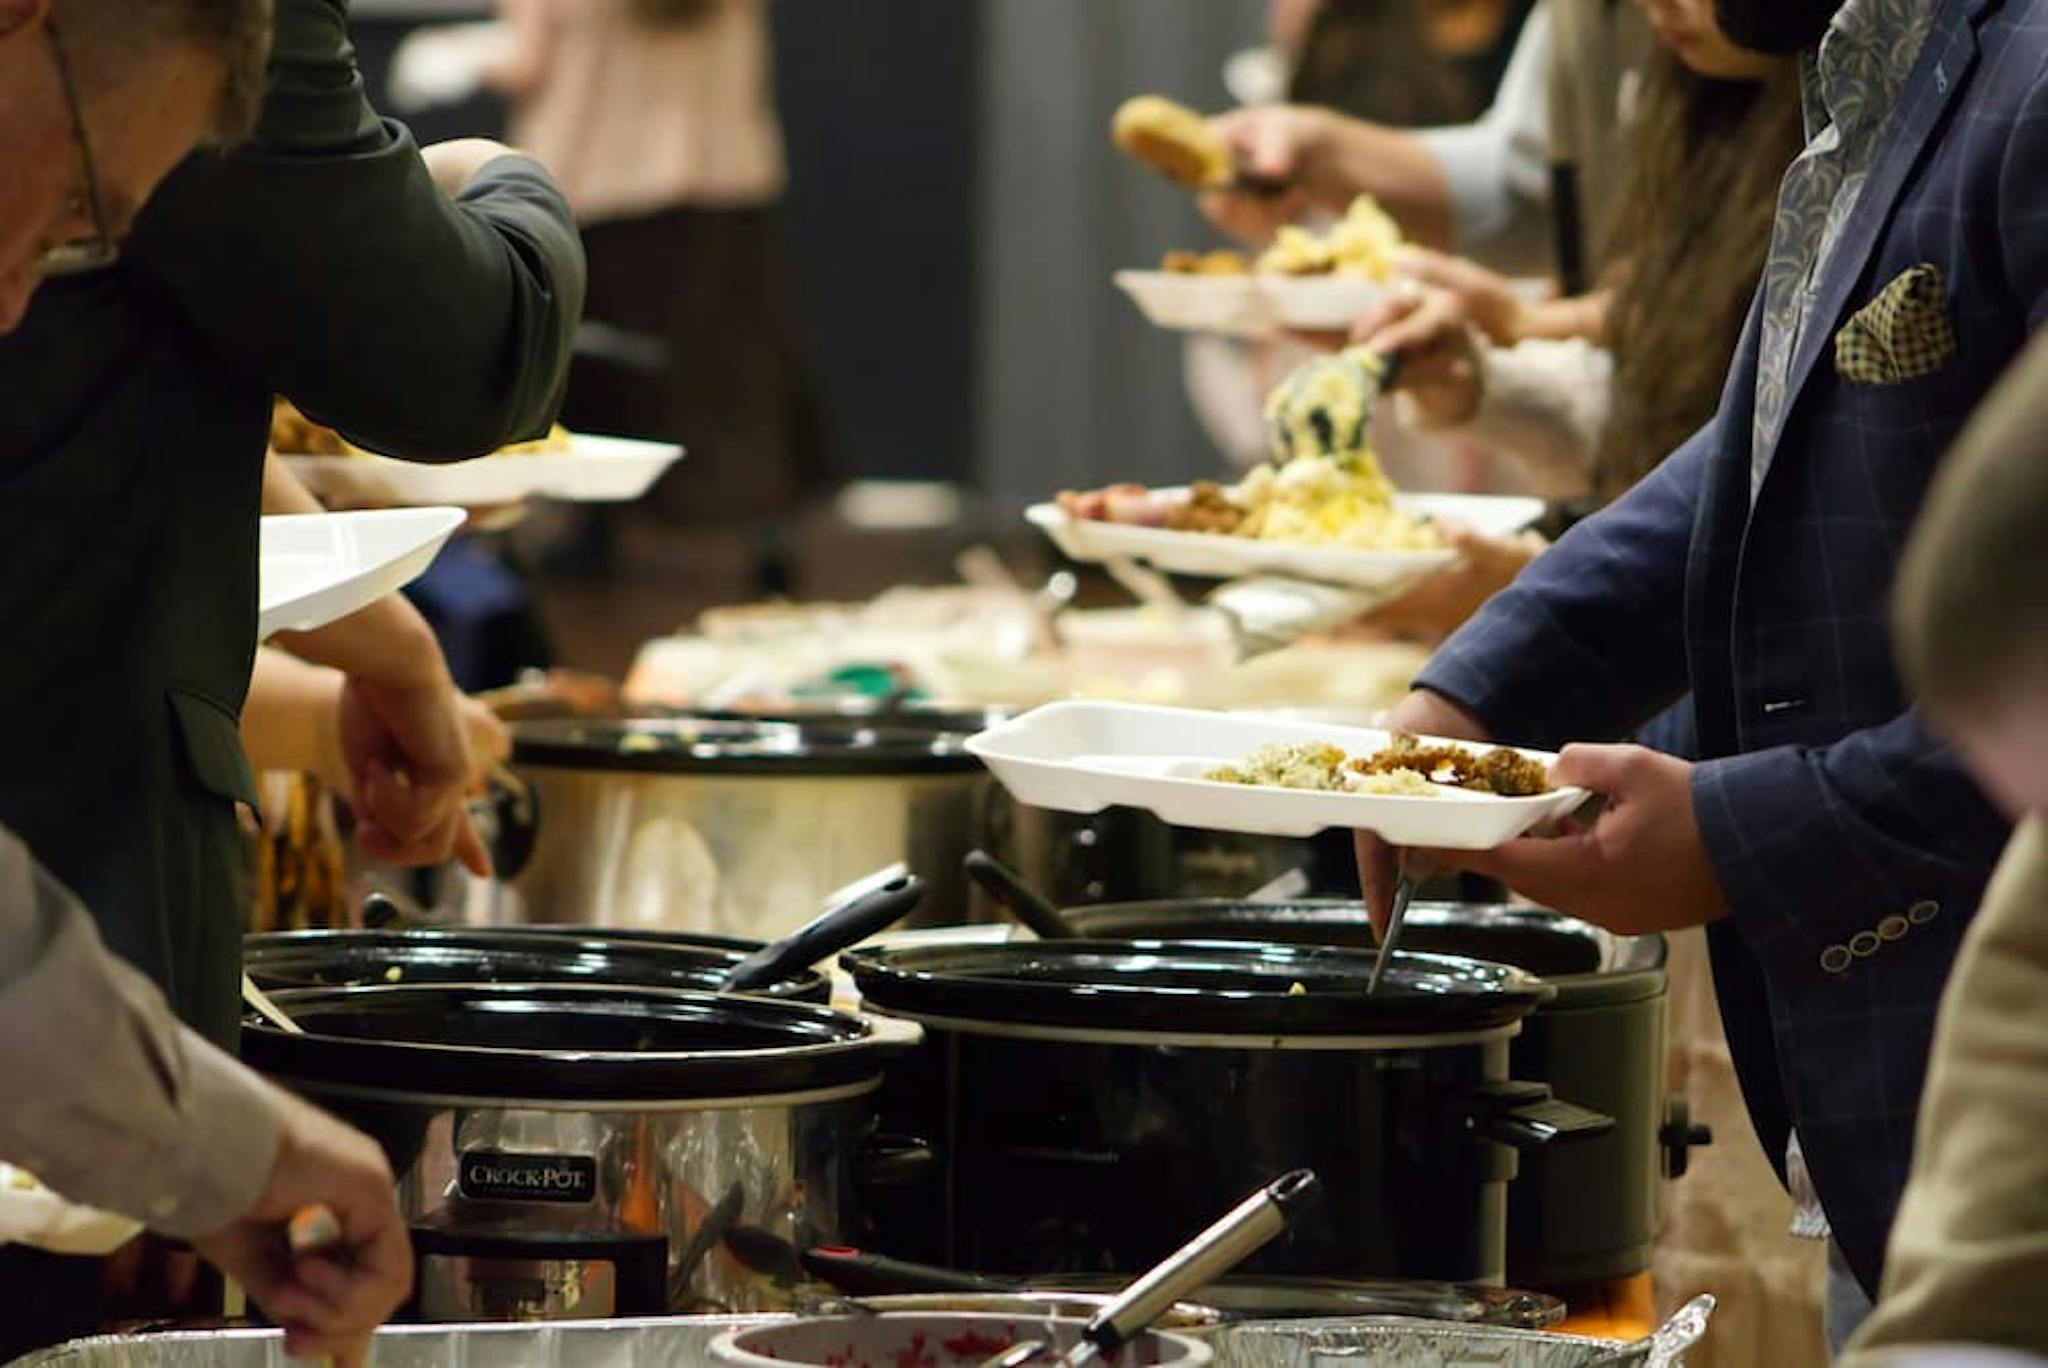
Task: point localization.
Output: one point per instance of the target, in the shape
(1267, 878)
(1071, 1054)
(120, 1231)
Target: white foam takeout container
(1084, 757)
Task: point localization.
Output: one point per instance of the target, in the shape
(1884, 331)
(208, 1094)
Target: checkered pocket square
(1901, 335)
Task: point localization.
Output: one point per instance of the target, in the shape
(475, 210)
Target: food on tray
(1328, 490)
(1365, 242)
(1297, 765)
(1400, 783)
(1173, 140)
(1221, 262)
(1498, 770)
(294, 434)
(1407, 768)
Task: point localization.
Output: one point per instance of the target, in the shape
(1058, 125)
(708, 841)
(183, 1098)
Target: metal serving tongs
(1223, 1246)
(1404, 891)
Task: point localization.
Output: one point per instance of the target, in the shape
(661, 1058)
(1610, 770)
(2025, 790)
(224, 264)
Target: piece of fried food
(1221, 262)
(1209, 508)
(1501, 771)
(1172, 139)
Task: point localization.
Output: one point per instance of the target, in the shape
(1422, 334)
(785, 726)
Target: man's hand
(407, 749)
(1439, 351)
(330, 1302)
(1639, 867)
(1424, 714)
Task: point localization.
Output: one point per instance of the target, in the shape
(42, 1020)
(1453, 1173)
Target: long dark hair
(1371, 59)
(1690, 228)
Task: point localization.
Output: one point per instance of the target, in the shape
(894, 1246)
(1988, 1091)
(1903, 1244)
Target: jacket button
(1835, 958)
(1923, 912)
(1863, 944)
(1893, 928)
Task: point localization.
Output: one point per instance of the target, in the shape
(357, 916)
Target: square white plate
(1249, 305)
(597, 470)
(316, 567)
(1215, 556)
(1083, 757)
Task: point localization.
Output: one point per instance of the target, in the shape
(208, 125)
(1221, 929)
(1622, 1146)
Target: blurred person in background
(1402, 63)
(659, 118)
(1523, 188)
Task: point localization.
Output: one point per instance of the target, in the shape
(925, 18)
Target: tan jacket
(103, 1095)
(1968, 1260)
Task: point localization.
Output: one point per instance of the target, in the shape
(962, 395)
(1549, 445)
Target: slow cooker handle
(891, 1161)
(509, 812)
(1681, 1135)
(1527, 1116)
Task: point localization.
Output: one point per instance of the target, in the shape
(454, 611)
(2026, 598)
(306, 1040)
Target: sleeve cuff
(224, 1160)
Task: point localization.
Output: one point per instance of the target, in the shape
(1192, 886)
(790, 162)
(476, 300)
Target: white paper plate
(31, 1214)
(1249, 305)
(1214, 556)
(1083, 757)
(317, 567)
(598, 470)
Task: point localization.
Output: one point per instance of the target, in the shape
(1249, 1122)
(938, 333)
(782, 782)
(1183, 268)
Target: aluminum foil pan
(1393, 1342)
(566, 1344)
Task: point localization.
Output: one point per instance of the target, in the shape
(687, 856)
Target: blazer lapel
(1945, 60)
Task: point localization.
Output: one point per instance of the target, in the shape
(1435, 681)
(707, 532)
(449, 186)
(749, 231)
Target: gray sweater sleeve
(320, 258)
(107, 1098)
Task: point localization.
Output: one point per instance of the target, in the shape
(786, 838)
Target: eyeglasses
(99, 251)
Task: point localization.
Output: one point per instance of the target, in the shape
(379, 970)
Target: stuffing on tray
(1302, 765)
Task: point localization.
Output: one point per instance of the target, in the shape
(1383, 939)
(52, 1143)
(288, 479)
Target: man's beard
(1777, 27)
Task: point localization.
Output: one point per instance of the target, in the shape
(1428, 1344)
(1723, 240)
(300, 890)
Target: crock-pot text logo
(497, 1176)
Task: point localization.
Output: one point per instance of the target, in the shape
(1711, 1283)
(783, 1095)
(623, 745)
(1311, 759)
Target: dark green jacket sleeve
(321, 258)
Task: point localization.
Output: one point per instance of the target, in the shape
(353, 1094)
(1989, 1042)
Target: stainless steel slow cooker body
(740, 828)
(1086, 1097)
(1577, 1214)
(573, 1151)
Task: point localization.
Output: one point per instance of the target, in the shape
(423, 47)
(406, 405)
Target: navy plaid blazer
(1851, 846)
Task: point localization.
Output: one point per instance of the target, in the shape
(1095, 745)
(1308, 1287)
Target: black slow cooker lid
(701, 745)
(341, 959)
(561, 1043)
(1589, 966)
(1208, 987)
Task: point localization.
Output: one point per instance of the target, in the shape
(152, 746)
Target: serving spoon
(1242, 1232)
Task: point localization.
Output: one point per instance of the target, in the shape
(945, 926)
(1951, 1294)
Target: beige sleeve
(1968, 1260)
(107, 1098)
(1542, 404)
